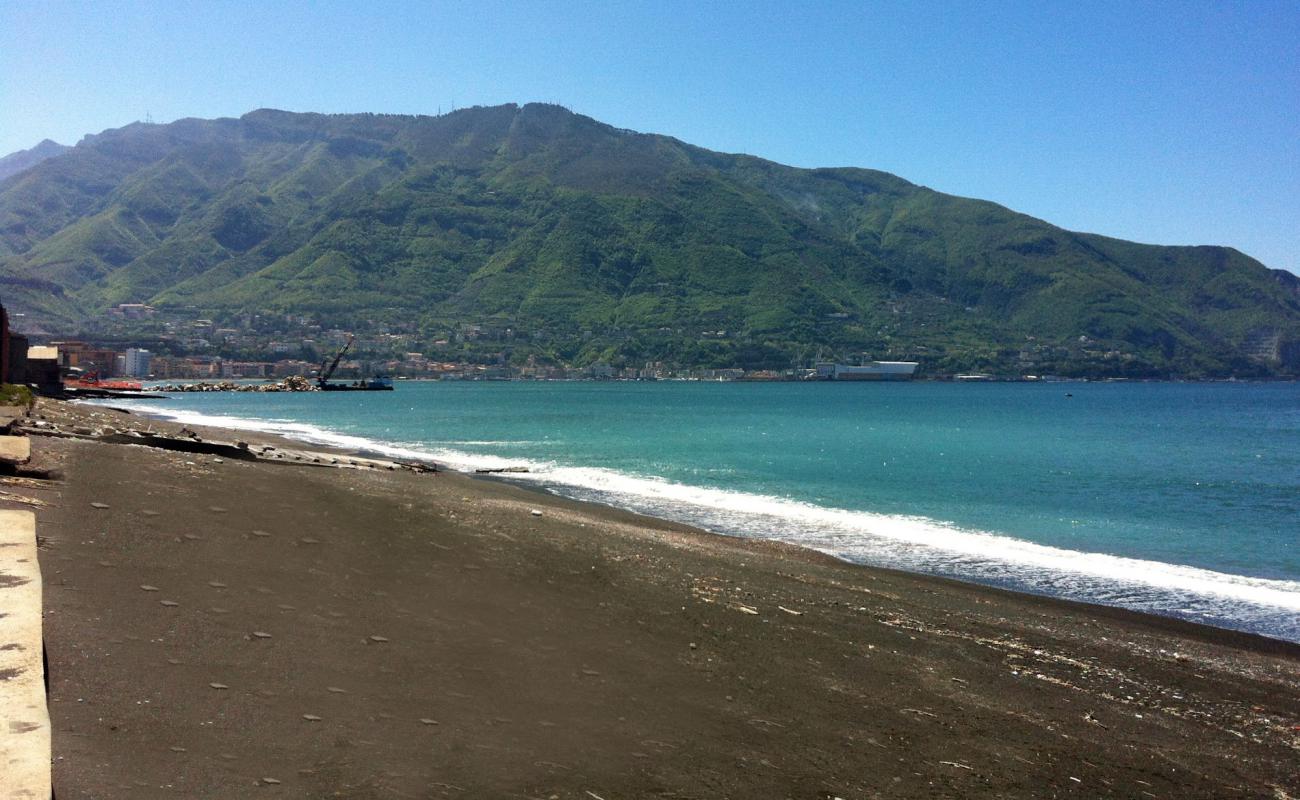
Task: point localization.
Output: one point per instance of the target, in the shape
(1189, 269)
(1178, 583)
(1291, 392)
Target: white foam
(914, 543)
(843, 532)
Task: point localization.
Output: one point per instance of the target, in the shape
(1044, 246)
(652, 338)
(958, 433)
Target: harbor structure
(870, 371)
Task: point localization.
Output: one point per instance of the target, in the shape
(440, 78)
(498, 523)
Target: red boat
(91, 380)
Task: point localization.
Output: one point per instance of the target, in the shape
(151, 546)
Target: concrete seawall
(24, 715)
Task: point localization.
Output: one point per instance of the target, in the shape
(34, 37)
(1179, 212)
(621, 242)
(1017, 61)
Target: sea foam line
(890, 540)
(833, 523)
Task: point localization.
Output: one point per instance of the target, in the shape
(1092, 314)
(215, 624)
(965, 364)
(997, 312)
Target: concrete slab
(9, 415)
(15, 449)
(24, 715)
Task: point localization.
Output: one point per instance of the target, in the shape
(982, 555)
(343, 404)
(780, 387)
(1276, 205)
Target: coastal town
(138, 342)
(260, 347)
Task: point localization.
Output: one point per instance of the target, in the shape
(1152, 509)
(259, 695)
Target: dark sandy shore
(233, 629)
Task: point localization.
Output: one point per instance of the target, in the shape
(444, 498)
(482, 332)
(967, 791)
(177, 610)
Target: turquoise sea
(1180, 499)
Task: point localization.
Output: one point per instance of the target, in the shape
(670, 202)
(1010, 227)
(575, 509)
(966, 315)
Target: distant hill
(636, 246)
(15, 163)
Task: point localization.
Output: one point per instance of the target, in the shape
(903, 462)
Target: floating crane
(373, 385)
(326, 372)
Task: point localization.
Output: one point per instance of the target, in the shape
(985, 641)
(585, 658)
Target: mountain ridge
(20, 160)
(552, 220)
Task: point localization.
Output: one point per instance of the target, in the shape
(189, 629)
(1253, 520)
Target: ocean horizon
(1175, 499)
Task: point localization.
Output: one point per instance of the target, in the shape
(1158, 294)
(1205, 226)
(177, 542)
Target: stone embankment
(24, 712)
(293, 384)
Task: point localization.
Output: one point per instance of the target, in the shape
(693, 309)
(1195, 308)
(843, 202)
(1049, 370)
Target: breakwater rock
(292, 384)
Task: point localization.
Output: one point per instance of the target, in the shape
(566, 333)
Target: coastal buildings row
(256, 347)
(47, 364)
(75, 358)
(82, 359)
(133, 362)
(384, 340)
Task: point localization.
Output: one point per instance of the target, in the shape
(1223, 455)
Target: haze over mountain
(631, 245)
(15, 163)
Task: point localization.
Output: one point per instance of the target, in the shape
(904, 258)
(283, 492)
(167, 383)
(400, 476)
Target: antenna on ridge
(148, 118)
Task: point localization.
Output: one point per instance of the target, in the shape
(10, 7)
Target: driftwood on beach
(129, 429)
(181, 444)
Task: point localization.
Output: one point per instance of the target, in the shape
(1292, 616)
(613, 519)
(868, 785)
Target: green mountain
(611, 244)
(15, 163)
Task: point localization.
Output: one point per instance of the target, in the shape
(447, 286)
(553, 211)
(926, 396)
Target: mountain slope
(15, 163)
(647, 246)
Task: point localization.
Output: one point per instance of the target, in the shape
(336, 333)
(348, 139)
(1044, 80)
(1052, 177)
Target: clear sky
(1174, 122)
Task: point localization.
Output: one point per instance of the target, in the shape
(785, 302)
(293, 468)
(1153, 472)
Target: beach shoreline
(584, 649)
(1250, 602)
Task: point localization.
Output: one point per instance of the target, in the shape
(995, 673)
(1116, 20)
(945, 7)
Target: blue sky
(1174, 122)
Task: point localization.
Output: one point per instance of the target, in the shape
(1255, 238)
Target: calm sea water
(1173, 498)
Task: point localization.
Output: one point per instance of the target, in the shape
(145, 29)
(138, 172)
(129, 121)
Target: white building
(136, 363)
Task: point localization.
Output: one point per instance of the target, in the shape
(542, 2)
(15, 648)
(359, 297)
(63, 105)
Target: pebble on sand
(261, 533)
(261, 635)
(311, 717)
(336, 690)
(217, 509)
(378, 638)
(99, 505)
(146, 587)
(149, 512)
(216, 584)
(270, 781)
(427, 721)
(168, 603)
(218, 686)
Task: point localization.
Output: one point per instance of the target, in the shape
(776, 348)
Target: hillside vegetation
(15, 163)
(618, 245)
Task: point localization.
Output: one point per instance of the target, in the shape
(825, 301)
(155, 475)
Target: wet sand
(221, 628)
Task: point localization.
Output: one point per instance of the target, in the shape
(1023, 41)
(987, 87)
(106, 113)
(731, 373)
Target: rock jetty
(297, 383)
